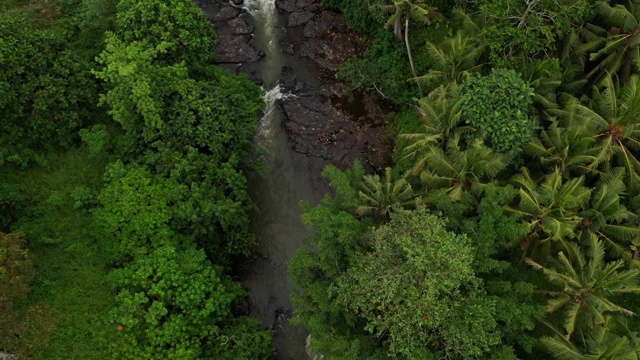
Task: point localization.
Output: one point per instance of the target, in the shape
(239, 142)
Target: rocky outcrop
(299, 17)
(323, 119)
(331, 126)
(235, 47)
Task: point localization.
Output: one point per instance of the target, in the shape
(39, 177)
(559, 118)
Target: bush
(83, 198)
(96, 138)
(498, 106)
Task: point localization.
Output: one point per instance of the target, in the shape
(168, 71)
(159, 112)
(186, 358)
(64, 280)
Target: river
(286, 181)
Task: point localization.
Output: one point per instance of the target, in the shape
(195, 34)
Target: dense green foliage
(497, 105)
(171, 304)
(517, 30)
(417, 285)
(507, 227)
(520, 156)
(46, 89)
(134, 229)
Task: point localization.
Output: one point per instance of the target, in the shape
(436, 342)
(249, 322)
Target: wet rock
(290, 49)
(299, 17)
(318, 129)
(226, 13)
(329, 54)
(235, 49)
(240, 27)
(325, 23)
(286, 70)
(314, 8)
(303, 4)
(287, 5)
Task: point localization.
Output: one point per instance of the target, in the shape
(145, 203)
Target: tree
(614, 121)
(46, 90)
(380, 197)
(497, 105)
(195, 132)
(337, 240)
(441, 116)
(515, 31)
(454, 60)
(588, 285)
(459, 169)
(616, 44)
(551, 208)
(563, 146)
(417, 290)
(172, 304)
(406, 10)
(135, 214)
(601, 343)
(441, 111)
(179, 24)
(607, 219)
(140, 87)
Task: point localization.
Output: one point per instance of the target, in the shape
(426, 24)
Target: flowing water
(287, 180)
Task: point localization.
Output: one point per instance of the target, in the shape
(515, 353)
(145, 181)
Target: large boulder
(236, 49)
(299, 17)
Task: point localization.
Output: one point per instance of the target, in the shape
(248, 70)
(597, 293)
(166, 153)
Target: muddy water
(287, 180)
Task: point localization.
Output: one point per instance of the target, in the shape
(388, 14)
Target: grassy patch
(70, 270)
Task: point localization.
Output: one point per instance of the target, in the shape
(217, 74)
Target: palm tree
(462, 169)
(607, 219)
(544, 76)
(602, 342)
(614, 120)
(587, 286)
(404, 10)
(378, 198)
(616, 44)
(454, 60)
(550, 209)
(441, 113)
(564, 148)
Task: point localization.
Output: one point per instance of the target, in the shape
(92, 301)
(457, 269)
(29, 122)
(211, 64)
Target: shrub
(498, 105)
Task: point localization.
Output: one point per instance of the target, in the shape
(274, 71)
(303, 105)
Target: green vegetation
(508, 225)
(506, 229)
(123, 147)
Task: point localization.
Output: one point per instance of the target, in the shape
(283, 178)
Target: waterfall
(268, 37)
(270, 125)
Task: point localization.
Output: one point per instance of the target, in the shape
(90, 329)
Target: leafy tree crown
(497, 105)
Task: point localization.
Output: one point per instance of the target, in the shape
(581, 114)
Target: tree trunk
(413, 68)
(397, 25)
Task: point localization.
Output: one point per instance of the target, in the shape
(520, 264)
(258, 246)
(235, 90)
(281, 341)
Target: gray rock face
(236, 49)
(325, 23)
(240, 27)
(226, 13)
(325, 124)
(299, 17)
(287, 5)
(304, 4)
